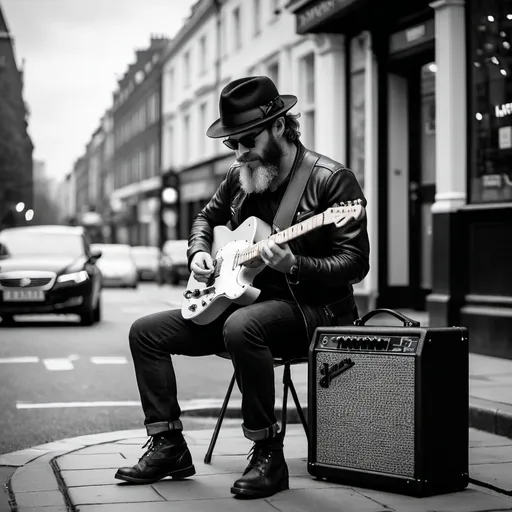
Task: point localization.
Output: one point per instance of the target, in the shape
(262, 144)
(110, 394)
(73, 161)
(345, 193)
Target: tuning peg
(349, 203)
(342, 204)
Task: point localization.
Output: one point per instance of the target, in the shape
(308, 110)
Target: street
(59, 380)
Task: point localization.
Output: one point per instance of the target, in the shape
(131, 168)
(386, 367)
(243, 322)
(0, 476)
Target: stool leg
(299, 408)
(208, 456)
(286, 381)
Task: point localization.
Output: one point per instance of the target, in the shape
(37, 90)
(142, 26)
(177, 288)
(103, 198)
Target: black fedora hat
(249, 102)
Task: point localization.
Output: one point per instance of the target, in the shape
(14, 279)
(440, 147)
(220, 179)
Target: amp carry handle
(408, 322)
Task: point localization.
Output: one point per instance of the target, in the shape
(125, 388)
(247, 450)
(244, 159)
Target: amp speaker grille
(365, 418)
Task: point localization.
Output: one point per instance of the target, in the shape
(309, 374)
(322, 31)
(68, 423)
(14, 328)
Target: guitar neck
(253, 252)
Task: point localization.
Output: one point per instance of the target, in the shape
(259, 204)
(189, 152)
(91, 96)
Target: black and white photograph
(255, 255)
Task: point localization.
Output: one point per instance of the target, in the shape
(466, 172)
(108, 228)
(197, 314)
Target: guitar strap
(294, 191)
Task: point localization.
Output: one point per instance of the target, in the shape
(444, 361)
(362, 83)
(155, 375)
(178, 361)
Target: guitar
(237, 261)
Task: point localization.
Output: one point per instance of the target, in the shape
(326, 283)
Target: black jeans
(252, 335)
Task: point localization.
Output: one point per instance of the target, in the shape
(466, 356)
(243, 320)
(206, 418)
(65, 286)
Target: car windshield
(20, 243)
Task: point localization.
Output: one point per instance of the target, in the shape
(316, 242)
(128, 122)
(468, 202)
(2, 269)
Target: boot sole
(283, 485)
(178, 474)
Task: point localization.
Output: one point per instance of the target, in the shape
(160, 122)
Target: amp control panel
(369, 342)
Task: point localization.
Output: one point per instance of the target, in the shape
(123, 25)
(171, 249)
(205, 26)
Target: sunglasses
(248, 141)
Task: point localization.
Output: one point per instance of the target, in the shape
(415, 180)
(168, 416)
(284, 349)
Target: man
(304, 284)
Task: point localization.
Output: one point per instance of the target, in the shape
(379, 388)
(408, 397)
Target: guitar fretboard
(253, 252)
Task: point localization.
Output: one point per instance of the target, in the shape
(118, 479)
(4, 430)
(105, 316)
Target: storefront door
(411, 177)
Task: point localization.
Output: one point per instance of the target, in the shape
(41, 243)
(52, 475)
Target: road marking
(109, 360)
(64, 405)
(58, 365)
(19, 360)
(185, 405)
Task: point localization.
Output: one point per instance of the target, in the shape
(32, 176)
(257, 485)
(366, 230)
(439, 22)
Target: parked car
(49, 269)
(173, 264)
(146, 260)
(117, 265)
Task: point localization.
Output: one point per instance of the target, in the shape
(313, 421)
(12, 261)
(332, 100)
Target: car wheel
(97, 311)
(7, 320)
(87, 315)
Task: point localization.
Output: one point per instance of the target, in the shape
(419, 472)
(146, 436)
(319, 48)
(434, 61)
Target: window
(237, 29)
(356, 142)
(307, 81)
(491, 99)
(273, 72)
(186, 138)
(202, 129)
(170, 146)
(152, 160)
(202, 55)
(143, 170)
(257, 16)
(171, 84)
(186, 69)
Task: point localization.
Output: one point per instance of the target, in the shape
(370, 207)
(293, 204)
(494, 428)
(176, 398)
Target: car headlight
(77, 277)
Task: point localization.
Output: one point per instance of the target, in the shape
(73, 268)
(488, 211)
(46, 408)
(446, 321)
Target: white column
(451, 139)
(370, 283)
(330, 96)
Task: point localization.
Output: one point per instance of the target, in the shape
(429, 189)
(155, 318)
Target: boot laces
(154, 442)
(259, 454)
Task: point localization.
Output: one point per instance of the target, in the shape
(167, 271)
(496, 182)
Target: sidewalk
(78, 473)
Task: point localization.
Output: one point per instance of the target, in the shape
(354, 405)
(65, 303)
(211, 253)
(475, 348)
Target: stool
(287, 385)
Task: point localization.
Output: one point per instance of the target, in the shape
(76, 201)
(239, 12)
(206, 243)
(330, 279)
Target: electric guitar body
(237, 262)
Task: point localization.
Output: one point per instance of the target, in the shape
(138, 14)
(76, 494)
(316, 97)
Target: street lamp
(20, 206)
(29, 215)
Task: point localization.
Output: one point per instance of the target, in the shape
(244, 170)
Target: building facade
(16, 179)
(225, 40)
(136, 153)
(428, 95)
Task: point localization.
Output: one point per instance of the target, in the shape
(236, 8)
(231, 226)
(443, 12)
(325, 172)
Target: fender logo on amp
(333, 371)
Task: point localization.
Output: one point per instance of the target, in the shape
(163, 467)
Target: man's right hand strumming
(202, 266)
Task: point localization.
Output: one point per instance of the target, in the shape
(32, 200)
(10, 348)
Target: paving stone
(216, 505)
(121, 493)
(490, 454)
(53, 508)
(34, 478)
(497, 475)
(93, 461)
(469, 500)
(326, 500)
(39, 499)
(205, 487)
(21, 457)
(85, 477)
(132, 450)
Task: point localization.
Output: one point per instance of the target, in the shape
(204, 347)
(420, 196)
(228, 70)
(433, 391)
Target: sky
(74, 51)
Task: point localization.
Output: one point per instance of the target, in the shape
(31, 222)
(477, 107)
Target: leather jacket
(330, 259)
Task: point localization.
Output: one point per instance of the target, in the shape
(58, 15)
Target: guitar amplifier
(388, 406)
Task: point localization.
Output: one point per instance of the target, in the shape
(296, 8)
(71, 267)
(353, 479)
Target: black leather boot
(163, 458)
(267, 472)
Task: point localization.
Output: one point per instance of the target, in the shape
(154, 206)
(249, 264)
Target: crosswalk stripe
(109, 360)
(19, 359)
(185, 405)
(57, 365)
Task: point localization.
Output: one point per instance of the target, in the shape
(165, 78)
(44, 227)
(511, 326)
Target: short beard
(257, 180)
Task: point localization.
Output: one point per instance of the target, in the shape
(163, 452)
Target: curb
(492, 417)
(38, 464)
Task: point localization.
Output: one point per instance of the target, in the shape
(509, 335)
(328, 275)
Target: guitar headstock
(344, 213)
